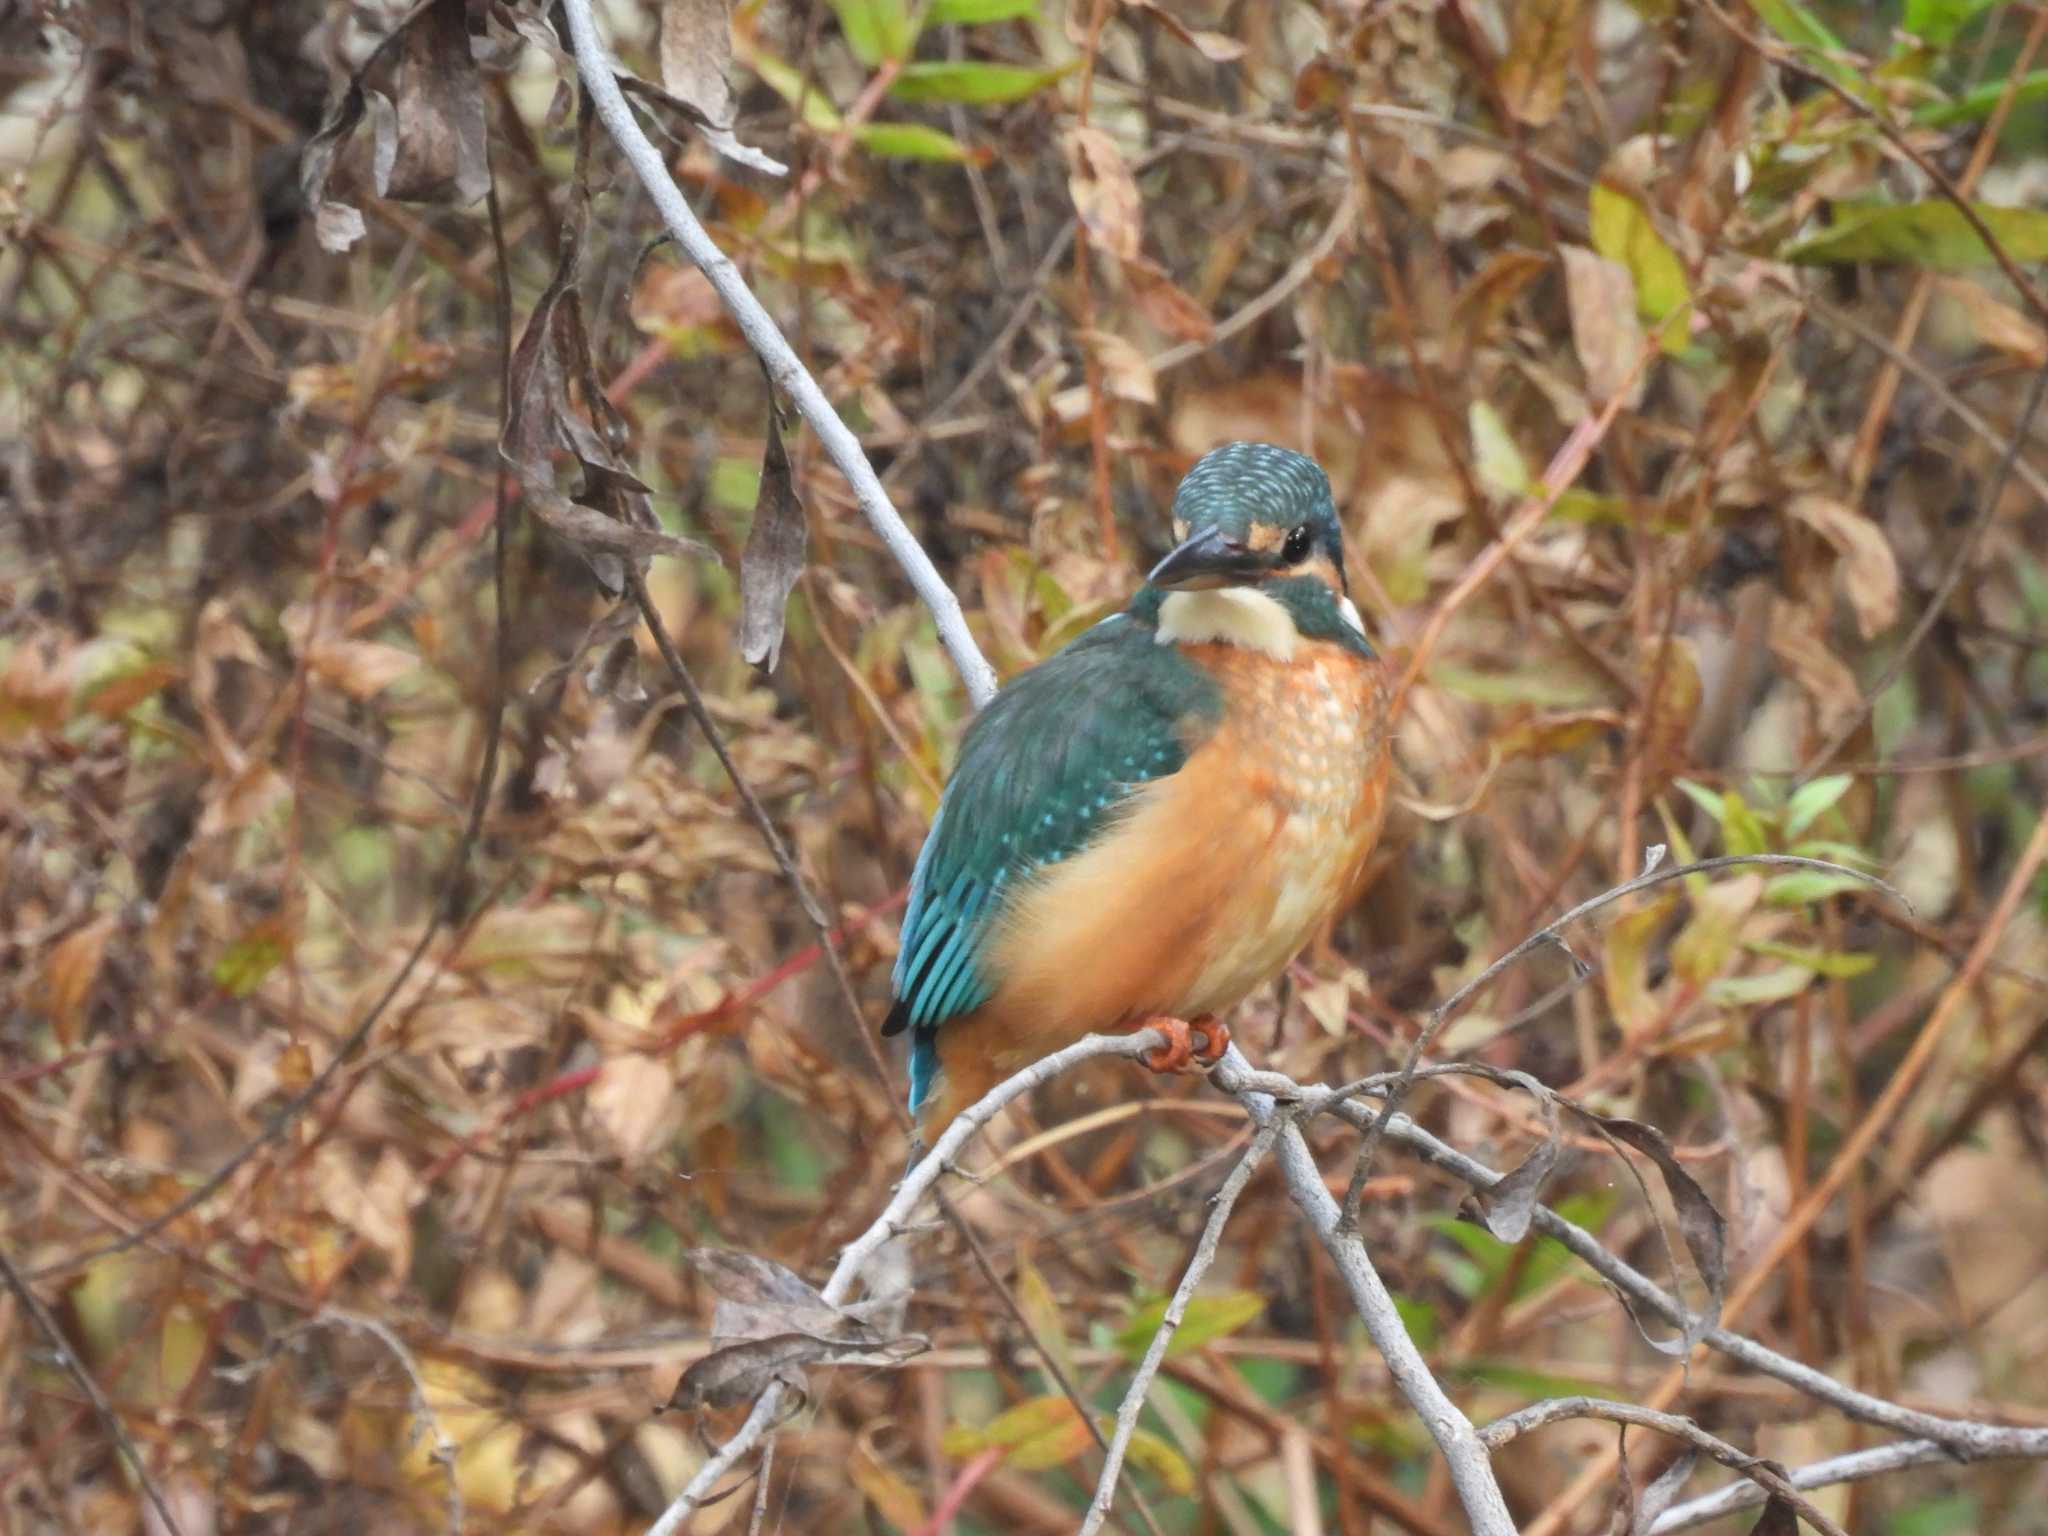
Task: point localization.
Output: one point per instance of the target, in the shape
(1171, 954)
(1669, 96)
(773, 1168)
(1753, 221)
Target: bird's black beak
(1207, 559)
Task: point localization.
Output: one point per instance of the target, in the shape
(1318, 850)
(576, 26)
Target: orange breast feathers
(1215, 878)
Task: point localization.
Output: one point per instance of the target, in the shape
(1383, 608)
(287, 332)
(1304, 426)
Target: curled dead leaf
(1104, 192)
(774, 556)
(1869, 572)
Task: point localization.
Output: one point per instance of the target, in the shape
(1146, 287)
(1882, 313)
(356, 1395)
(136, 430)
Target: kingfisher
(1149, 824)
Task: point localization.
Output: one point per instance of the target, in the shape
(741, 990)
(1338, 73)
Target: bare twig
(1204, 1256)
(1951, 577)
(1759, 1472)
(1854, 1467)
(1552, 933)
(893, 1221)
(1470, 1468)
(784, 367)
(46, 1325)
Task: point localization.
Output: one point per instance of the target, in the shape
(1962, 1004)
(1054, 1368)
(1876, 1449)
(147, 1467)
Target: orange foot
(1180, 1052)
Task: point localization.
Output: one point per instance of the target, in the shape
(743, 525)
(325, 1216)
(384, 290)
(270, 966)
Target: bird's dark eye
(1295, 550)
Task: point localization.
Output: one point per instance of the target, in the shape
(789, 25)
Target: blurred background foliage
(1041, 255)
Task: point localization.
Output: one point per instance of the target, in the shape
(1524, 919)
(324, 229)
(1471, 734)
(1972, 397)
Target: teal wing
(1044, 771)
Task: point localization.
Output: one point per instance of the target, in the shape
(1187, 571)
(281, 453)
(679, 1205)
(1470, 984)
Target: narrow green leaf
(1936, 22)
(911, 141)
(1827, 962)
(968, 13)
(877, 29)
(1932, 234)
(786, 81)
(1706, 799)
(1207, 1317)
(1811, 801)
(1763, 987)
(973, 83)
(1741, 832)
(1978, 103)
(1808, 885)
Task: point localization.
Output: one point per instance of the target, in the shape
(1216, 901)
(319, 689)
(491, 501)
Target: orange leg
(1180, 1052)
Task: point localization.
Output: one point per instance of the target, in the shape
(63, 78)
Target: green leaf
(1706, 799)
(1763, 987)
(1811, 801)
(1158, 1457)
(1702, 948)
(1808, 885)
(1039, 1432)
(1827, 962)
(1042, 1310)
(1936, 22)
(1978, 103)
(1808, 33)
(976, 84)
(786, 81)
(1419, 1318)
(967, 13)
(1495, 458)
(1207, 1317)
(911, 141)
(877, 29)
(1622, 232)
(1741, 832)
(248, 960)
(1933, 235)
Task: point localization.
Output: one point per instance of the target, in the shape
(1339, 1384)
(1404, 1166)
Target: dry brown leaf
(774, 556)
(1997, 324)
(1124, 368)
(1868, 570)
(1539, 54)
(696, 52)
(1105, 195)
(69, 972)
(1605, 330)
(633, 1103)
(1798, 640)
(1164, 303)
(1213, 46)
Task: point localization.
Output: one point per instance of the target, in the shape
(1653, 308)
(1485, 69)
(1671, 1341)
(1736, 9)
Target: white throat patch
(1230, 616)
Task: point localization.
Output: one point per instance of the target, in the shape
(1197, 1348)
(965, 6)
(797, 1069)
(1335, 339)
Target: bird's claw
(1180, 1052)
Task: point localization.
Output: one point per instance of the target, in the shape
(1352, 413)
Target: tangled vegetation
(401, 1008)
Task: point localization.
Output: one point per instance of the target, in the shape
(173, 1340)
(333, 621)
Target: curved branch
(784, 367)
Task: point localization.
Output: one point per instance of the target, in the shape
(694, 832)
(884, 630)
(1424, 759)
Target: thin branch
(1852, 1468)
(894, 1220)
(1760, 1473)
(1470, 1468)
(46, 1325)
(1944, 589)
(787, 371)
(453, 879)
(1191, 1278)
(1553, 933)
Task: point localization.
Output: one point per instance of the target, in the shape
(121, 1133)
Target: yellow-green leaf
(1827, 962)
(912, 141)
(967, 13)
(1207, 1317)
(786, 81)
(1702, 948)
(1811, 801)
(1495, 458)
(1625, 973)
(1764, 987)
(1622, 232)
(876, 29)
(971, 82)
(1042, 1310)
(1808, 885)
(1160, 1458)
(1932, 234)
(1038, 1432)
